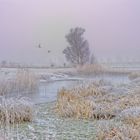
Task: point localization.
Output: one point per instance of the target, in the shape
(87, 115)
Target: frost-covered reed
(80, 103)
(15, 110)
(97, 69)
(116, 131)
(24, 81)
(90, 69)
(94, 102)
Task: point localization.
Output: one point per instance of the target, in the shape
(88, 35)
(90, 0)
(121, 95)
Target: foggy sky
(112, 28)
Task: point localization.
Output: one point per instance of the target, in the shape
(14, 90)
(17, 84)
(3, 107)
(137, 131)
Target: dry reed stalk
(94, 102)
(131, 116)
(112, 131)
(90, 69)
(24, 82)
(13, 110)
(128, 101)
(71, 105)
(77, 103)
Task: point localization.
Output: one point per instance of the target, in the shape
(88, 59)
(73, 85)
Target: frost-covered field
(66, 106)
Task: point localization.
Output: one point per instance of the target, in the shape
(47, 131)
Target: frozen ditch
(48, 90)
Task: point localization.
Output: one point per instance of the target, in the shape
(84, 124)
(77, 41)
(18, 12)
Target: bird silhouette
(39, 46)
(49, 51)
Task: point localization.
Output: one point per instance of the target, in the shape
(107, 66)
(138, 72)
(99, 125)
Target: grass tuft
(15, 110)
(79, 103)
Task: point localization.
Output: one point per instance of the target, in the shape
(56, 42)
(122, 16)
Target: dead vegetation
(15, 110)
(95, 98)
(116, 131)
(90, 69)
(25, 81)
(134, 75)
(97, 69)
(131, 116)
(81, 103)
(92, 102)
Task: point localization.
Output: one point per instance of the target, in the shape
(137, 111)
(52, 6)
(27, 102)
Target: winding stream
(48, 126)
(48, 91)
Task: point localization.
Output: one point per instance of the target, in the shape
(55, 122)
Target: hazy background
(112, 28)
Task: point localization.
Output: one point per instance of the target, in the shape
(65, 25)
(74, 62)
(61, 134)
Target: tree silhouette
(78, 50)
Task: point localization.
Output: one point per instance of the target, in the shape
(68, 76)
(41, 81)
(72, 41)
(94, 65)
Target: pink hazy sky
(112, 28)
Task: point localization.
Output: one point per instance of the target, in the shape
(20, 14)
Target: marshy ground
(67, 106)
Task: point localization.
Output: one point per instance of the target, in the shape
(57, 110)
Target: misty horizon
(112, 29)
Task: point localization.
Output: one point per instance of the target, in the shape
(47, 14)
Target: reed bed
(24, 81)
(131, 116)
(130, 100)
(116, 131)
(92, 102)
(80, 103)
(97, 69)
(15, 110)
(5, 87)
(72, 105)
(90, 69)
(118, 115)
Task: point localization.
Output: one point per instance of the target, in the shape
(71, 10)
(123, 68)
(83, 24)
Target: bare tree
(78, 52)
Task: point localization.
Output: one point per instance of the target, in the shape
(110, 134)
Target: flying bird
(39, 46)
(49, 51)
